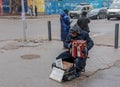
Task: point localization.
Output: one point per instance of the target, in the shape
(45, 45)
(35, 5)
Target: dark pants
(79, 62)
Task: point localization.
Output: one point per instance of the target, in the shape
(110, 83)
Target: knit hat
(75, 28)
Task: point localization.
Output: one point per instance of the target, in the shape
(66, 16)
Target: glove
(70, 45)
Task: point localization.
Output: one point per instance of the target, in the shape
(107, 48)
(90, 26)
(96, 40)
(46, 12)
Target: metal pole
(23, 21)
(49, 30)
(116, 35)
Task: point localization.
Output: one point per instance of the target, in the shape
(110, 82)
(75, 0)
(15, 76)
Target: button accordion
(77, 48)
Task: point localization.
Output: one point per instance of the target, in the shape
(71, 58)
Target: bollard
(49, 31)
(116, 35)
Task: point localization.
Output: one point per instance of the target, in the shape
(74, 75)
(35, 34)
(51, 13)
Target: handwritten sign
(57, 74)
(59, 63)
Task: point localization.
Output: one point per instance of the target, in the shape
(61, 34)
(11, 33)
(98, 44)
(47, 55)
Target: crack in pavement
(117, 62)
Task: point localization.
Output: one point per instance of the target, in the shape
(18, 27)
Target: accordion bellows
(77, 47)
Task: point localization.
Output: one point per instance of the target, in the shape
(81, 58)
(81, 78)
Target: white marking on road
(97, 34)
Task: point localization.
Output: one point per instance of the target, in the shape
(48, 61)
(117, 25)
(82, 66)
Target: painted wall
(56, 6)
(39, 3)
(106, 3)
(1, 10)
(116, 1)
(0, 3)
(5, 6)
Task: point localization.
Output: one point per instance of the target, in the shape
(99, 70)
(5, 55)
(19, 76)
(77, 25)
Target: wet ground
(30, 65)
(103, 78)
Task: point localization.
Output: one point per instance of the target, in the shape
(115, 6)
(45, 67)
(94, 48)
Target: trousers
(79, 62)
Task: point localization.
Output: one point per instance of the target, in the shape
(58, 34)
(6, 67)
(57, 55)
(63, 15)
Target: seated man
(76, 34)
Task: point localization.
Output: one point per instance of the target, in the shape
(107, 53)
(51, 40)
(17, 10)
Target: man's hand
(70, 45)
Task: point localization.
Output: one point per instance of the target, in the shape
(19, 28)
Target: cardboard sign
(59, 63)
(57, 74)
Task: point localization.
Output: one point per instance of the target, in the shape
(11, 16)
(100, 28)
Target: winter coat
(81, 35)
(83, 23)
(65, 25)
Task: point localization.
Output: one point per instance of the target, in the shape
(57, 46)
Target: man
(76, 34)
(83, 21)
(65, 25)
(36, 13)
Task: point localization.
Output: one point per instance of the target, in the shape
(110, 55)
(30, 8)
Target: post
(23, 21)
(49, 31)
(116, 35)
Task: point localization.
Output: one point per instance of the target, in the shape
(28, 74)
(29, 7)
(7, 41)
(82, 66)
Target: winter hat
(75, 28)
(66, 11)
(84, 13)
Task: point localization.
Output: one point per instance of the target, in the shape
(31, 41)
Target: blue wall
(6, 6)
(56, 6)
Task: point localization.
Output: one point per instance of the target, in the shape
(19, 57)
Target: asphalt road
(13, 28)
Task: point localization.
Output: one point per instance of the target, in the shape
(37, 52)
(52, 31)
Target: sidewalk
(30, 66)
(16, 62)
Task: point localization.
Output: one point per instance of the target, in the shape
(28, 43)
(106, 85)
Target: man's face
(74, 34)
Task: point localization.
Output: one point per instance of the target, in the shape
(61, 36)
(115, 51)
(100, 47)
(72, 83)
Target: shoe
(77, 74)
(83, 70)
(70, 69)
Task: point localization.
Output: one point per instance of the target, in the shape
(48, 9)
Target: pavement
(28, 64)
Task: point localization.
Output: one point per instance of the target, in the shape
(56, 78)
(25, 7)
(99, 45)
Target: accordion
(77, 48)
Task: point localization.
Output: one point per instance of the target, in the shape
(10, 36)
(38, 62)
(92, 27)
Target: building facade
(39, 3)
(48, 6)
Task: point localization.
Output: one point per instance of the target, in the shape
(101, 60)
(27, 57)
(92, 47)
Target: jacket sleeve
(88, 20)
(67, 20)
(68, 41)
(90, 42)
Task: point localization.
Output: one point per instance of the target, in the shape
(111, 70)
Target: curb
(28, 17)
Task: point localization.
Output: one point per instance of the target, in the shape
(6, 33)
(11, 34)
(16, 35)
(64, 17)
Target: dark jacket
(83, 23)
(81, 35)
(65, 25)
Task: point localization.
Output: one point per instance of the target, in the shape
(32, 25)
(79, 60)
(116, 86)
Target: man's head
(75, 30)
(74, 34)
(84, 13)
(66, 11)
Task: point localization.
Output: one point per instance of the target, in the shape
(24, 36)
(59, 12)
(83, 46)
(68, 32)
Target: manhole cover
(30, 56)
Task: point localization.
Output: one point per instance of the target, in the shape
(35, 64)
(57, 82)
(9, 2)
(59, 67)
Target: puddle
(10, 47)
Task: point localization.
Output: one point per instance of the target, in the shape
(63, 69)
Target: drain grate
(30, 56)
